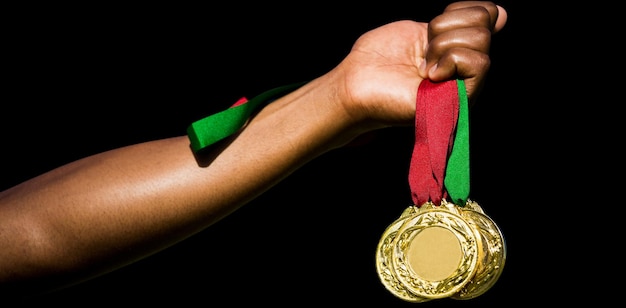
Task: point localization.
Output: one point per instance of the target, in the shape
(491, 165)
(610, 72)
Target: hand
(381, 74)
(459, 42)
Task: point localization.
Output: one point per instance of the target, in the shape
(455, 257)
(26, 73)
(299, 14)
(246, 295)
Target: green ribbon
(458, 169)
(204, 132)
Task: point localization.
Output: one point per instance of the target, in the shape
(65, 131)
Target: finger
(463, 25)
(478, 39)
(460, 63)
(473, 14)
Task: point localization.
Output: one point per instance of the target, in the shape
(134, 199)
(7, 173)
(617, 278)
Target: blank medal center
(434, 253)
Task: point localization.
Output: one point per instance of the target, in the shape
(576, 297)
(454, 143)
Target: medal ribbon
(440, 160)
(204, 132)
(441, 137)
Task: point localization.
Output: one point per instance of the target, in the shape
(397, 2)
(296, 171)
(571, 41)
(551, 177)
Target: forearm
(110, 209)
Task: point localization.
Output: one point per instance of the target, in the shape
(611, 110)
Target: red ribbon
(436, 115)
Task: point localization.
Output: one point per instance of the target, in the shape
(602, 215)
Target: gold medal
(436, 248)
(434, 252)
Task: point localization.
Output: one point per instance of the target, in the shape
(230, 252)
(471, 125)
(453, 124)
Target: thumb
(501, 19)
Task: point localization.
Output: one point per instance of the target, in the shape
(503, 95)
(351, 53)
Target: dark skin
(105, 211)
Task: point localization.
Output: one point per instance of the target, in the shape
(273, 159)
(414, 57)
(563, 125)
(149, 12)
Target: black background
(88, 79)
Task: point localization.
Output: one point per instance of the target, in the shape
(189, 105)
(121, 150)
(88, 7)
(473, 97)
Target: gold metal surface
(492, 253)
(386, 272)
(433, 252)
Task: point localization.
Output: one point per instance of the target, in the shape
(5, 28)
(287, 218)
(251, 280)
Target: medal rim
(493, 248)
(387, 274)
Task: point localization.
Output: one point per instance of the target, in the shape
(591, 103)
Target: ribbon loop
(204, 132)
(440, 159)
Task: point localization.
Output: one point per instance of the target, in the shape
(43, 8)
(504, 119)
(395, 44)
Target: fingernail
(422, 68)
(432, 70)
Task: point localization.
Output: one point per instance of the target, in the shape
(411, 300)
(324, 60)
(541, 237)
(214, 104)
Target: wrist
(327, 110)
